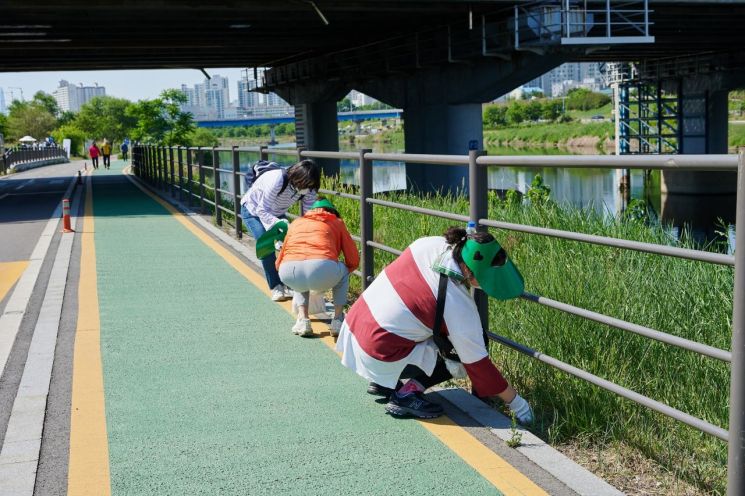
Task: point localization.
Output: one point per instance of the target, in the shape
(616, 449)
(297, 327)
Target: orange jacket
(319, 235)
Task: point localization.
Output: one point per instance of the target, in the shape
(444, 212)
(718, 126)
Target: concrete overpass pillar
(316, 129)
(441, 129)
(699, 199)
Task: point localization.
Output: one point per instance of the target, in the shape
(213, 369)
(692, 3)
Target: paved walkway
(208, 392)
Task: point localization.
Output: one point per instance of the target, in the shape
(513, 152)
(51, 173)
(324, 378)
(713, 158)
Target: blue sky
(130, 84)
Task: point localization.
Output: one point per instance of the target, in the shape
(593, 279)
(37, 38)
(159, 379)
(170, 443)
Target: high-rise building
(567, 76)
(70, 97)
(2, 101)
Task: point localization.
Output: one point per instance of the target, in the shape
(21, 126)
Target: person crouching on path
(267, 202)
(388, 332)
(106, 152)
(94, 152)
(309, 261)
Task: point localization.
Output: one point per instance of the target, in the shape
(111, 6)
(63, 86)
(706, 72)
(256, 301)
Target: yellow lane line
(88, 471)
(9, 274)
(508, 480)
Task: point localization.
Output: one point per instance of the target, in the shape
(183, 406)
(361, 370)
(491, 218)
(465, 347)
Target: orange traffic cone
(66, 227)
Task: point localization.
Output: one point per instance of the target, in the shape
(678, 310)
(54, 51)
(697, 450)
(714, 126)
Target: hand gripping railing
(151, 165)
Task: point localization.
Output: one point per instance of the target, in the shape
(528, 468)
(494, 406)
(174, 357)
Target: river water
(583, 188)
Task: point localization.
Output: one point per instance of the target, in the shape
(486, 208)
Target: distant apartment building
(2, 101)
(253, 103)
(567, 76)
(70, 97)
(359, 99)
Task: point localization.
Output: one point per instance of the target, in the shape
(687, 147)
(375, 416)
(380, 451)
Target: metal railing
(19, 156)
(152, 165)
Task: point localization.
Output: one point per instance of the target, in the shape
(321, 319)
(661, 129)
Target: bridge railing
(156, 165)
(14, 157)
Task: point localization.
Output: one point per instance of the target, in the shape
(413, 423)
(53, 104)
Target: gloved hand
(278, 245)
(522, 410)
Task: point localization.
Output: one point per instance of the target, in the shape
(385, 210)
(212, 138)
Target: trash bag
(316, 305)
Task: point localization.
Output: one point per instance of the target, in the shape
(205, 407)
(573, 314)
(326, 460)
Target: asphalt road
(27, 201)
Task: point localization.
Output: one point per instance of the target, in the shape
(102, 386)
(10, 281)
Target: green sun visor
(265, 243)
(493, 269)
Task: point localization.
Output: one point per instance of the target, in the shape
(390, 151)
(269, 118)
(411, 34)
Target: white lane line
(3, 196)
(10, 320)
(19, 457)
(23, 185)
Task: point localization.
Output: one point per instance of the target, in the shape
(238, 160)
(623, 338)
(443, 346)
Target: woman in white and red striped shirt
(387, 334)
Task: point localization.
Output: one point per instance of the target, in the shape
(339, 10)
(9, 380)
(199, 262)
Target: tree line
(159, 120)
(542, 109)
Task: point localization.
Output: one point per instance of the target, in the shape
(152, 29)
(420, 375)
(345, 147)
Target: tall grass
(685, 298)
(548, 133)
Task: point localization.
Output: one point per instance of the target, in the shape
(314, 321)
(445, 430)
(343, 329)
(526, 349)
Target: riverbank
(688, 299)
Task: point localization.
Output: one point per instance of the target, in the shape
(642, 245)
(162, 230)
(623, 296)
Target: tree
(203, 137)
(74, 134)
(495, 116)
(3, 124)
(516, 112)
(345, 105)
(584, 99)
(47, 102)
(105, 117)
(29, 118)
(161, 120)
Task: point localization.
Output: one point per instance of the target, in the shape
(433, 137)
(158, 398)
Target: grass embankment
(688, 299)
(567, 134)
(736, 134)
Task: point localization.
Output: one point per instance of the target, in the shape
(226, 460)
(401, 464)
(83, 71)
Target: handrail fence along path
(156, 165)
(18, 156)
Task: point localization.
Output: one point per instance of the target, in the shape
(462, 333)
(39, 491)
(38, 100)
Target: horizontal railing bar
(281, 151)
(661, 162)
(701, 256)
(226, 210)
(663, 337)
(384, 247)
(420, 210)
(418, 158)
(254, 149)
(342, 155)
(226, 171)
(655, 405)
(228, 193)
(339, 193)
(210, 202)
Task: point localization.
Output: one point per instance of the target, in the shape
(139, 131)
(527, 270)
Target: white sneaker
(302, 327)
(278, 293)
(288, 292)
(335, 325)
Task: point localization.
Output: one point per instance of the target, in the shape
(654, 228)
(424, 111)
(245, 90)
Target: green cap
(323, 203)
(493, 269)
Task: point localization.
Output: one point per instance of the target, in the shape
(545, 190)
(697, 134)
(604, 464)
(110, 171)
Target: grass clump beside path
(688, 299)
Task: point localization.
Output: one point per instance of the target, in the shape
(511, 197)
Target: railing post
(173, 176)
(237, 192)
(163, 168)
(478, 202)
(159, 165)
(263, 155)
(201, 178)
(189, 177)
(216, 183)
(180, 157)
(367, 259)
(149, 164)
(300, 150)
(736, 455)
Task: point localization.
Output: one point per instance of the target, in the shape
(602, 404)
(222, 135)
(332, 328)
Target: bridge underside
(73, 34)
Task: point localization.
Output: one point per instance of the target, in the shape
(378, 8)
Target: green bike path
(208, 392)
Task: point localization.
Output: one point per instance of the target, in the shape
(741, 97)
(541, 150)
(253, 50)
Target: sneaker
(288, 292)
(412, 404)
(378, 390)
(278, 293)
(302, 327)
(335, 326)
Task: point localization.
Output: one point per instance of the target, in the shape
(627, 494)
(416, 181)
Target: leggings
(439, 374)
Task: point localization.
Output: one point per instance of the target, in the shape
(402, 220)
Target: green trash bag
(265, 243)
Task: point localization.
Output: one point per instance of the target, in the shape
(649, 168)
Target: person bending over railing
(418, 311)
(309, 261)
